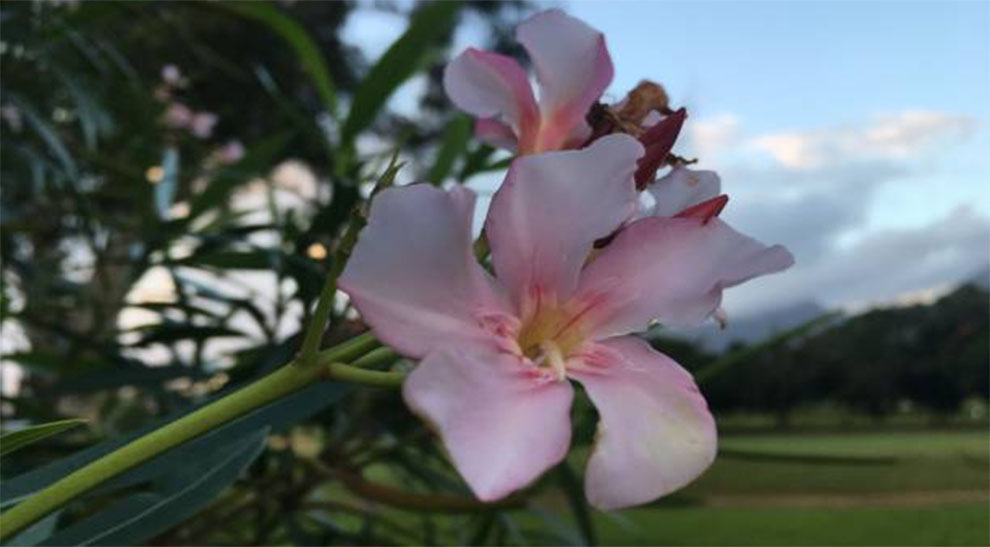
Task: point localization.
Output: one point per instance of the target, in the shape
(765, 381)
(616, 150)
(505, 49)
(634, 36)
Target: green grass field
(904, 488)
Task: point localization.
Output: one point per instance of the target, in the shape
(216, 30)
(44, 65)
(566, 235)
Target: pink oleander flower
(573, 69)
(496, 354)
(201, 125)
(178, 116)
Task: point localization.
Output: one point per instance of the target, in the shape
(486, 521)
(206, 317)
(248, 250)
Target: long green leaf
(731, 359)
(37, 532)
(277, 415)
(397, 64)
(258, 159)
(455, 141)
(136, 519)
(577, 501)
(310, 58)
(14, 440)
(47, 133)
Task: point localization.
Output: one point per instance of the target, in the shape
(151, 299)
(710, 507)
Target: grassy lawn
(949, 524)
(905, 497)
(926, 488)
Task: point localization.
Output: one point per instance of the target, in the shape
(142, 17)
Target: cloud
(886, 137)
(709, 137)
(881, 267)
(819, 192)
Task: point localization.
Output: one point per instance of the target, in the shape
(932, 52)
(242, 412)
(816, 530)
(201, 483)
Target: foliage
(154, 260)
(929, 356)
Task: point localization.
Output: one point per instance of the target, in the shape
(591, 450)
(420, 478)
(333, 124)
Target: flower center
(549, 335)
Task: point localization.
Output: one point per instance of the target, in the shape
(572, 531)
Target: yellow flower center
(550, 334)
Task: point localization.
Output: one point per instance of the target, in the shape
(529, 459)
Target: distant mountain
(749, 329)
(981, 279)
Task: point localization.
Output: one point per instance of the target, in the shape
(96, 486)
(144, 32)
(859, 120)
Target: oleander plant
(252, 292)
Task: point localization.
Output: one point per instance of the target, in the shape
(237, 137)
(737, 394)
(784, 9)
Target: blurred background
(176, 178)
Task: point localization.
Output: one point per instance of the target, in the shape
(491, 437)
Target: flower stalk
(276, 385)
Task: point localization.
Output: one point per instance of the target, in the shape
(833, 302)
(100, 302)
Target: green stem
(314, 333)
(287, 379)
(357, 371)
(348, 373)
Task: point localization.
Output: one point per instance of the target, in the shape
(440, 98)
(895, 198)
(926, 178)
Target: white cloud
(710, 137)
(880, 267)
(886, 137)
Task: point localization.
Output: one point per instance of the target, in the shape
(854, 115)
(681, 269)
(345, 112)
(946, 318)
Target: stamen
(554, 358)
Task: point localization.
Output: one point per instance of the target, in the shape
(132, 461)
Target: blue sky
(811, 65)
(856, 133)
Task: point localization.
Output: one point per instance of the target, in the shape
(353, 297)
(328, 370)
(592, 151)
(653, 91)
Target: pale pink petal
(413, 275)
(503, 423)
(682, 188)
(178, 116)
(202, 124)
(671, 269)
(490, 85)
(655, 435)
(496, 133)
(551, 209)
(573, 68)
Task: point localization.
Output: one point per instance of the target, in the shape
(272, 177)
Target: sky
(855, 133)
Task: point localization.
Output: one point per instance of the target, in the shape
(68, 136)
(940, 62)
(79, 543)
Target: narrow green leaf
(276, 415)
(14, 440)
(47, 133)
(577, 501)
(165, 189)
(474, 162)
(733, 358)
(455, 141)
(37, 532)
(258, 159)
(234, 260)
(310, 58)
(397, 64)
(136, 519)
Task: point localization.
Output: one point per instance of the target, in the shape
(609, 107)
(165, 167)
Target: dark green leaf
(731, 359)
(284, 412)
(455, 141)
(37, 532)
(14, 440)
(167, 333)
(577, 502)
(397, 64)
(258, 159)
(234, 260)
(46, 132)
(136, 519)
(310, 58)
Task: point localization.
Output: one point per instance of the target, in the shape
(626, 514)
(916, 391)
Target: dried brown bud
(644, 98)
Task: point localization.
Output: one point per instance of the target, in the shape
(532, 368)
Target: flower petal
(551, 209)
(671, 269)
(659, 140)
(656, 433)
(496, 133)
(682, 188)
(413, 275)
(503, 423)
(488, 85)
(573, 68)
